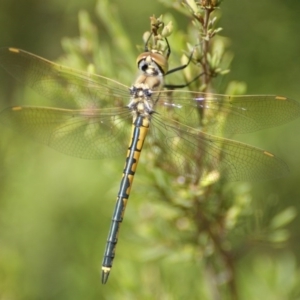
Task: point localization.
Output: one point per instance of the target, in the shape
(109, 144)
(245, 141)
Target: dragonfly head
(152, 63)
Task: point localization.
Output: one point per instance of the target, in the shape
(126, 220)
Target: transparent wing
(91, 121)
(63, 87)
(81, 133)
(191, 153)
(223, 114)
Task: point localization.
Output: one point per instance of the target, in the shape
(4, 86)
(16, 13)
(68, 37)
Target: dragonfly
(92, 116)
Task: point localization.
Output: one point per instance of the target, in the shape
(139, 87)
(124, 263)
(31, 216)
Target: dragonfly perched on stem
(91, 116)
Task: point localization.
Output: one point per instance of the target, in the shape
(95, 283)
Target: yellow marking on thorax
(154, 83)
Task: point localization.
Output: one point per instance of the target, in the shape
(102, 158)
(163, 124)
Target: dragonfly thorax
(141, 102)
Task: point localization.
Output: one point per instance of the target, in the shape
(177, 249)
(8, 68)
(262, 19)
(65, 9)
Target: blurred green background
(55, 210)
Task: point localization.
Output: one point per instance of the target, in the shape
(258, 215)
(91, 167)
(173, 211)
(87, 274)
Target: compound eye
(160, 61)
(143, 66)
(141, 58)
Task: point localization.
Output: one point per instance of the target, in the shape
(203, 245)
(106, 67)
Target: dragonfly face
(91, 116)
(150, 80)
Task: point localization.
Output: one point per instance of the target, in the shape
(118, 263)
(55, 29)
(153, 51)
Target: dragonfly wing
(63, 87)
(90, 134)
(197, 155)
(223, 114)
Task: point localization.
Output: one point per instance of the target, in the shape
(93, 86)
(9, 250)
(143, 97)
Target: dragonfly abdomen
(140, 128)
